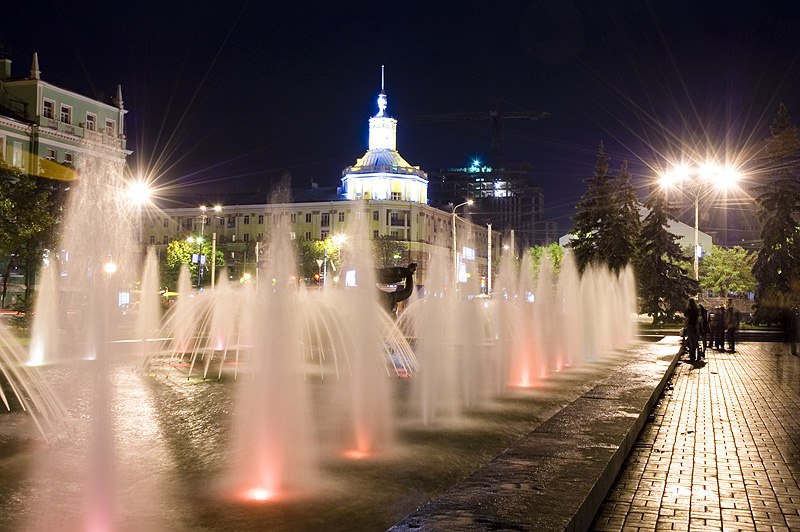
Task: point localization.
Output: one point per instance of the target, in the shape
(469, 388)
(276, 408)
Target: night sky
(232, 95)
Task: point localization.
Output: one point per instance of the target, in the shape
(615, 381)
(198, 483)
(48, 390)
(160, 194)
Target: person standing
(691, 325)
(704, 328)
(718, 328)
(731, 324)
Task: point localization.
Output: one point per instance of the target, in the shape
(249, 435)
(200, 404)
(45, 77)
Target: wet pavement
(555, 477)
(722, 451)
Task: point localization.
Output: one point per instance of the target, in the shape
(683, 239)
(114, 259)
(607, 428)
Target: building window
(16, 155)
(166, 222)
(91, 122)
(152, 239)
(323, 235)
(246, 219)
(260, 220)
(375, 234)
(308, 217)
(394, 218)
(220, 221)
(308, 235)
(66, 114)
(49, 109)
(397, 196)
(293, 218)
(50, 153)
(247, 237)
(376, 215)
(260, 237)
(166, 239)
(341, 216)
(68, 159)
(111, 127)
(325, 219)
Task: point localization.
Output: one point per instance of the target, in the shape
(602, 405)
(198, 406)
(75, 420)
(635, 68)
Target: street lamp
(455, 249)
(696, 178)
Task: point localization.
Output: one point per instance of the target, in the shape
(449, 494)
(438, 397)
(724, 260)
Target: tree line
(609, 230)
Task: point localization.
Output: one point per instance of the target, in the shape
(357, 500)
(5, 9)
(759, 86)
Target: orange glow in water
(355, 454)
(259, 494)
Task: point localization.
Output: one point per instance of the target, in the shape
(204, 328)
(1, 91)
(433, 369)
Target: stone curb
(557, 477)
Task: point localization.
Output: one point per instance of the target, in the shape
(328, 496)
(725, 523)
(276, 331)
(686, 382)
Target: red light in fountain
(524, 380)
(355, 454)
(259, 494)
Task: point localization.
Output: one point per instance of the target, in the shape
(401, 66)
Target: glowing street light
(139, 192)
(695, 179)
(455, 248)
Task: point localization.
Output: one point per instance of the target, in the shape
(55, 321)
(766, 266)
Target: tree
(389, 252)
(728, 270)
(595, 209)
(180, 252)
(552, 251)
(607, 222)
(663, 284)
(28, 219)
(624, 224)
(777, 267)
(313, 250)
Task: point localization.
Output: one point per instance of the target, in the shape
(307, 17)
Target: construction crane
(495, 116)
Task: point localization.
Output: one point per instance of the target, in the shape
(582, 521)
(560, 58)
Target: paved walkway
(723, 452)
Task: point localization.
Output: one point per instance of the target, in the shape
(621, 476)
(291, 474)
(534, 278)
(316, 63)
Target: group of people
(706, 330)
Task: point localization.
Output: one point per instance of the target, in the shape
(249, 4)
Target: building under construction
(505, 197)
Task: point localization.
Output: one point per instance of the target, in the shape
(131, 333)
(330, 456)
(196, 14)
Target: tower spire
(382, 101)
(35, 72)
(117, 100)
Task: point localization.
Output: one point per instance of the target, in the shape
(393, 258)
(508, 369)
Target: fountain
(248, 406)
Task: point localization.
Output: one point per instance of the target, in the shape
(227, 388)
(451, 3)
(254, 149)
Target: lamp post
(722, 177)
(455, 248)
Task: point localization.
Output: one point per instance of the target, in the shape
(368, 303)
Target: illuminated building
(382, 185)
(505, 197)
(45, 129)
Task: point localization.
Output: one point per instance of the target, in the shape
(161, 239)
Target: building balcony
(82, 132)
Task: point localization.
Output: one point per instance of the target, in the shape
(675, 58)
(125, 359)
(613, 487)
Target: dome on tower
(382, 173)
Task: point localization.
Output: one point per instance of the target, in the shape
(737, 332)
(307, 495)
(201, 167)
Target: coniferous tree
(624, 226)
(777, 267)
(595, 215)
(663, 285)
(607, 222)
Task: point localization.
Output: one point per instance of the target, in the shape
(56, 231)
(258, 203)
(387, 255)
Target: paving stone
(729, 438)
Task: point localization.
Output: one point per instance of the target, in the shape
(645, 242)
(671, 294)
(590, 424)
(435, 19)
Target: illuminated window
(68, 159)
(91, 122)
(66, 114)
(111, 127)
(49, 109)
(50, 154)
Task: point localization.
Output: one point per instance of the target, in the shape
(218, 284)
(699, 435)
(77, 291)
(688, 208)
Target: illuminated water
(273, 407)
